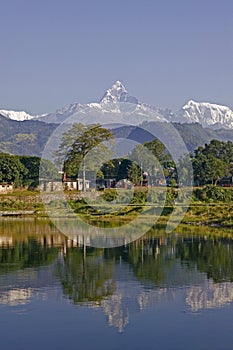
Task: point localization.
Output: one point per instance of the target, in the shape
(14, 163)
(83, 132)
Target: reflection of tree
(26, 254)
(166, 261)
(214, 257)
(86, 276)
(150, 259)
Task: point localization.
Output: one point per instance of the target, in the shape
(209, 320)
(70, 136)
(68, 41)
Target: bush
(109, 195)
(211, 193)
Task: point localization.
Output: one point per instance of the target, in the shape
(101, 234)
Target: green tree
(158, 149)
(11, 169)
(135, 174)
(144, 158)
(212, 162)
(84, 147)
(37, 167)
(185, 170)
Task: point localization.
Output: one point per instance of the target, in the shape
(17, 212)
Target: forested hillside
(30, 136)
(24, 138)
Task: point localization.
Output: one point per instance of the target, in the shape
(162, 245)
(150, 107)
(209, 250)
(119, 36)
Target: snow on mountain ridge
(16, 115)
(117, 102)
(118, 93)
(207, 114)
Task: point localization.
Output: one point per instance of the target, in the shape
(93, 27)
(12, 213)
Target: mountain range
(117, 105)
(197, 123)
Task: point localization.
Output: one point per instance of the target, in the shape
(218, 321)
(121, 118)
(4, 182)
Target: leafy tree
(158, 149)
(185, 170)
(144, 158)
(32, 164)
(84, 147)
(135, 174)
(11, 169)
(37, 167)
(116, 168)
(212, 162)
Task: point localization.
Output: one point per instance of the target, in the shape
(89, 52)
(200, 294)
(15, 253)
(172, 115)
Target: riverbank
(199, 213)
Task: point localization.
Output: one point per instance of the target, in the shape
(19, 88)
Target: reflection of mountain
(117, 314)
(16, 296)
(128, 298)
(22, 286)
(209, 296)
(119, 282)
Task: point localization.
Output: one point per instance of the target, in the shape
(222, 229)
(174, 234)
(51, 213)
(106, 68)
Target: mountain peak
(16, 115)
(118, 84)
(208, 114)
(118, 93)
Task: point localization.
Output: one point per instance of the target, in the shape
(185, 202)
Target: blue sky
(165, 52)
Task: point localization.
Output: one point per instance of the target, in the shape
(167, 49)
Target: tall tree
(11, 169)
(84, 147)
(144, 158)
(135, 174)
(212, 162)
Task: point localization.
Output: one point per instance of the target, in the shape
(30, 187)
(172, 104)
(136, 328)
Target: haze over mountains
(117, 105)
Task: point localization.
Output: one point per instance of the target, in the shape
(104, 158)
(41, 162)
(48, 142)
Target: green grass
(200, 212)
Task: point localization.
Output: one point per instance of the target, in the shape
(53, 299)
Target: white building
(6, 187)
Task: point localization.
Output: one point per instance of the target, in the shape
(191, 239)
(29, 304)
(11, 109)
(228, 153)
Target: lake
(162, 291)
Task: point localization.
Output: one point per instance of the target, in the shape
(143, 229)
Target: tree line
(24, 170)
(88, 149)
(208, 164)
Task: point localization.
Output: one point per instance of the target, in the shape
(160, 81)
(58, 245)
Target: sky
(53, 53)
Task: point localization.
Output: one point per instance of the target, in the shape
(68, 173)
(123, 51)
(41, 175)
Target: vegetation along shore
(207, 172)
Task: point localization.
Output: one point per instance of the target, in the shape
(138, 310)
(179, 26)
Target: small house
(77, 184)
(6, 187)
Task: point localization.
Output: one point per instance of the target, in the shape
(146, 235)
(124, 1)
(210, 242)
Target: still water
(159, 292)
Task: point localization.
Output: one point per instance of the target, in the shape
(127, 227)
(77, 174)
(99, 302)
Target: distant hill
(29, 137)
(24, 138)
(195, 135)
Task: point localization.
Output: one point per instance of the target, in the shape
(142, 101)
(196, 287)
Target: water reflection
(209, 296)
(17, 296)
(36, 260)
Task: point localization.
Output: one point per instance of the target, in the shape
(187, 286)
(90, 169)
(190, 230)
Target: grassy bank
(210, 206)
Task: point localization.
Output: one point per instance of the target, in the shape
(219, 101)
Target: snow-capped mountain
(118, 93)
(207, 114)
(16, 115)
(117, 105)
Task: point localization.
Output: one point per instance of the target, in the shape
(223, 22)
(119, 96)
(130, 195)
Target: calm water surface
(160, 292)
